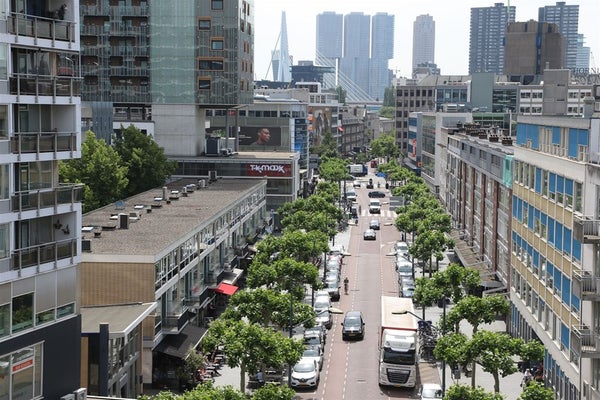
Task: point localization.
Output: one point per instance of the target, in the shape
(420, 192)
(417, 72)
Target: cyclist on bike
(346, 283)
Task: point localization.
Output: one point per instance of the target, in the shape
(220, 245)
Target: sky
(452, 19)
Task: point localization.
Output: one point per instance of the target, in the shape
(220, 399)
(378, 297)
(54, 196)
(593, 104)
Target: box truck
(398, 343)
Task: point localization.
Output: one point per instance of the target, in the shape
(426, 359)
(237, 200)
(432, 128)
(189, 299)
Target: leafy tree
(341, 92)
(285, 274)
(464, 392)
(429, 244)
(537, 391)
(207, 391)
(147, 165)
(328, 146)
(477, 310)
(251, 346)
(334, 170)
(100, 169)
(451, 349)
(454, 282)
(387, 112)
(532, 351)
(329, 191)
(385, 146)
(389, 99)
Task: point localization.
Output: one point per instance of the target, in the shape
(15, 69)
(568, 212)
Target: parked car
(324, 318)
(374, 224)
(314, 339)
(322, 302)
(376, 194)
(312, 354)
(369, 235)
(319, 330)
(305, 374)
(404, 269)
(406, 282)
(351, 195)
(356, 184)
(430, 391)
(408, 292)
(401, 249)
(333, 288)
(353, 326)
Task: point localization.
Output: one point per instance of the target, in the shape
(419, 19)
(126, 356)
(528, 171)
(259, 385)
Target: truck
(398, 343)
(358, 169)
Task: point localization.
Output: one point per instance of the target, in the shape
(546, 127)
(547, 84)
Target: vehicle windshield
(312, 340)
(432, 393)
(304, 367)
(332, 285)
(352, 322)
(310, 353)
(399, 357)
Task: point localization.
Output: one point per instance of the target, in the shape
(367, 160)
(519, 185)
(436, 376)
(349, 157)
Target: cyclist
(346, 283)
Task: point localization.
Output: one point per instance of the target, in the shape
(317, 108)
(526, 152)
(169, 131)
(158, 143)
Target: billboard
(319, 123)
(259, 137)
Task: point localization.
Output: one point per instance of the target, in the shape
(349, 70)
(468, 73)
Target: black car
(353, 326)
(376, 193)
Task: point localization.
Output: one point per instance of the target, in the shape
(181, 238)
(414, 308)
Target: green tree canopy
(385, 146)
(147, 165)
(100, 169)
(464, 392)
(283, 274)
(537, 391)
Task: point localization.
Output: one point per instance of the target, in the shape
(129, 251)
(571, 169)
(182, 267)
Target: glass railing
(44, 85)
(37, 199)
(44, 253)
(43, 142)
(40, 27)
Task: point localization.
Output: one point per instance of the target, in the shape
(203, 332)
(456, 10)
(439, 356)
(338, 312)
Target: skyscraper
(423, 40)
(567, 19)
(382, 50)
(40, 217)
(330, 28)
(488, 29)
(354, 65)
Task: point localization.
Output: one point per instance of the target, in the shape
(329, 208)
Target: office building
(583, 54)
(567, 18)
(423, 50)
(354, 65)
(486, 39)
(132, 52)
(531, 47)
(382, 50)
(329, 37)
(39, 216)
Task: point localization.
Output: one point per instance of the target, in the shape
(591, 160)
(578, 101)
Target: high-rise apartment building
(486, 39)
(330, 30)
(382, 50)
(531, 47)
(162, 64)
(354, 65)
(423, 51)
(583, 54)
(40, 217)
(567, 19)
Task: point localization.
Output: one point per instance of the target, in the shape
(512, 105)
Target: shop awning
(226, 288)
(178, 345)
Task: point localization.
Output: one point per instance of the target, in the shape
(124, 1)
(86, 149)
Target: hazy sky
(451, 18)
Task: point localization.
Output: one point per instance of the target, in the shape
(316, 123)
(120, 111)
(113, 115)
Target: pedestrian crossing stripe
(383, 214)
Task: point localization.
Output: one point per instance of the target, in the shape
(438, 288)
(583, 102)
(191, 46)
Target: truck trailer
(398, 343)
(358, 169)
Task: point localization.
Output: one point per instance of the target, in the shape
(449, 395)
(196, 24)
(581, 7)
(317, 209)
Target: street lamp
(332, 310)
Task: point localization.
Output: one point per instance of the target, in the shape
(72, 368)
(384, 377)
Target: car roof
(431, 386)
(354, 313)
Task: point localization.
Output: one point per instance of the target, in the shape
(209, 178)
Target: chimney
(164, 193)
(123, 221)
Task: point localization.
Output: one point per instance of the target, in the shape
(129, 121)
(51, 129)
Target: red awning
(226, 288)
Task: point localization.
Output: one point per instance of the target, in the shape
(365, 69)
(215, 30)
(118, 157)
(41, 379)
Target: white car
(356, 184)
(305, 374)
(401, 249)
(430, 391)
(312, 354)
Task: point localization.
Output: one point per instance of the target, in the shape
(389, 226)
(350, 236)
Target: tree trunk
(474, 365)
(496, 382)
(243, 377)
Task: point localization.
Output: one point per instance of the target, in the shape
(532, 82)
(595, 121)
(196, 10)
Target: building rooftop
(258, 155)
(155, 223)
(121, 318)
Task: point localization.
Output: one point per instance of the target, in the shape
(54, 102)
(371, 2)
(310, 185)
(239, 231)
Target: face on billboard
(260, 136)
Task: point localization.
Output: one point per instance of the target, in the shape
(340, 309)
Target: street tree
(100, 169)
(429, 244)
(328, 146)
(451, 349)
(454, 282)
(283, 274)
(385, 146)
(251, 347)
(147, 165)
(464, 392)
(537, 391)
(328, 190)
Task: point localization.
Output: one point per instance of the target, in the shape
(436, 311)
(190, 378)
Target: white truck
(358, 169)
(397, 343)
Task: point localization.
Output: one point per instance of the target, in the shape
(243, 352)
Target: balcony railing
(42, 28)
(586, 229)
(586, 341)
(586, 286)
(44, 253)
(43, 142)
(45, 85)
(37, 199)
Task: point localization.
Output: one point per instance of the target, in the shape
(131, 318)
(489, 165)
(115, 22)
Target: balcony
(586, 229)
(586, 341)
(41, 28)
(44, 85)
(43, 142)
(44, 253)
(38, 199)
(586, 286)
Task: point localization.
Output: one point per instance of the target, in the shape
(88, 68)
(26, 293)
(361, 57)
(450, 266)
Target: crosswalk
(384, 214)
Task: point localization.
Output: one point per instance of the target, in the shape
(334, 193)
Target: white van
(375, 206)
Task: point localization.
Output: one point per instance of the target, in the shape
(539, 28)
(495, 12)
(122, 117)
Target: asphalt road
(351, 367)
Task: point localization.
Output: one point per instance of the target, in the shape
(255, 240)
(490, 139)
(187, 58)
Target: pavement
(430, 372)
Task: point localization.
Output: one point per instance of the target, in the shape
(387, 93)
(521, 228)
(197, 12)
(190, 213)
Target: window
(22, 373)
(204, 24)
(3, 60)
(217, 44)
(204, 84)
(22, 312)
(210, 64)
(216, 4)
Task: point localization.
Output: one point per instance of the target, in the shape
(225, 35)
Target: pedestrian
(527, 377)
